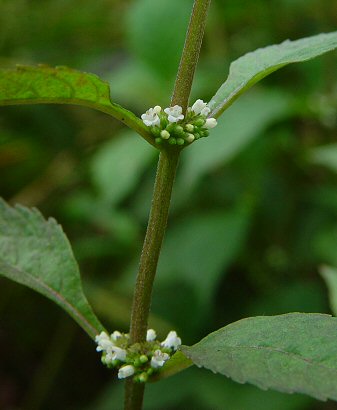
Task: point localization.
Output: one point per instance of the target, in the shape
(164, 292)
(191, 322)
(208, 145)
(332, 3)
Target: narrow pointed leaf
(36, 253)
(254, 66)
(295, 352)
(63, 85)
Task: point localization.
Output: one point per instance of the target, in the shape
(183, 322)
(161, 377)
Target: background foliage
(254, 211)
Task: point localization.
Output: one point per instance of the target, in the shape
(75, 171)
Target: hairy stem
(167, 165)
(190, 56)
(166, 170)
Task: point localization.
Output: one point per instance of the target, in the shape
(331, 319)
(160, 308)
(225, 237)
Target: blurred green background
(254, 210)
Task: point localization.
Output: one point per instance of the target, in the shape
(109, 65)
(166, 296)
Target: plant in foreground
(171, 126)
(139, 360)
(294, 352)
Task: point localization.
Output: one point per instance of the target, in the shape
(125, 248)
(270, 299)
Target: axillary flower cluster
(171, 126)
(139, 360)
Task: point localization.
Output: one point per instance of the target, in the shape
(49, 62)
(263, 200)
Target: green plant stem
(167, 165)
(166, 171)
(190, 56)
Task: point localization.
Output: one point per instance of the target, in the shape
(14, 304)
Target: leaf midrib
(276, 350)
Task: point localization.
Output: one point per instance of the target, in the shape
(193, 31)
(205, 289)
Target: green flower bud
(179, 130)
(163, 122)
(158, 140)
(189, 127)
(150, 371)
(171, 127)
(204, 133)
(155, 131)
(143, 359)
(137, 362)
(199, 122)
(165, 135)
(172, 141)
(143, 377)
(190, 138)
(180, 141)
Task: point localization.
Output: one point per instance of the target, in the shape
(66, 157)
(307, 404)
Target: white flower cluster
(170, 125)
(138, 360)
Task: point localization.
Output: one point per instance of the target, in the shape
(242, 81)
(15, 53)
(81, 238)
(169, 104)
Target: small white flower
(151, 335)
(151, 116)
(172, 340)
(115, 353)
(116, 335)
(101, 336)
(174, 113)
(158, 359)
(103, 342)
(200, 107)
(126, 371)
(210, 123)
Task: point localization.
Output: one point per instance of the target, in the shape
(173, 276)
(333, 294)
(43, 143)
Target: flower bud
(180, 141)
(199, 122)
(172, 141)
(190, 138)
(165, 135)
(143, 358)
(210, 123)
(155, 131)
(189, 127)
(142, 378)
(179, 130)
(126, 371)
(151, 335)
(204, 133)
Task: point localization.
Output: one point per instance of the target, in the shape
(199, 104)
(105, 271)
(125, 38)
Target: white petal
(198, 106)
(158, 359)
(119, 354)
(172, 340)
(116, 335)
(205, 111)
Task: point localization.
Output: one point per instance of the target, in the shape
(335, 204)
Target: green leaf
(325, 155)
(156, 34)
(259, 109)
(118, 165)
(187, 256)
(329, 274)
(296, 352)
(176, 364)
(36, 253)
(254, 66)
(62, 85)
